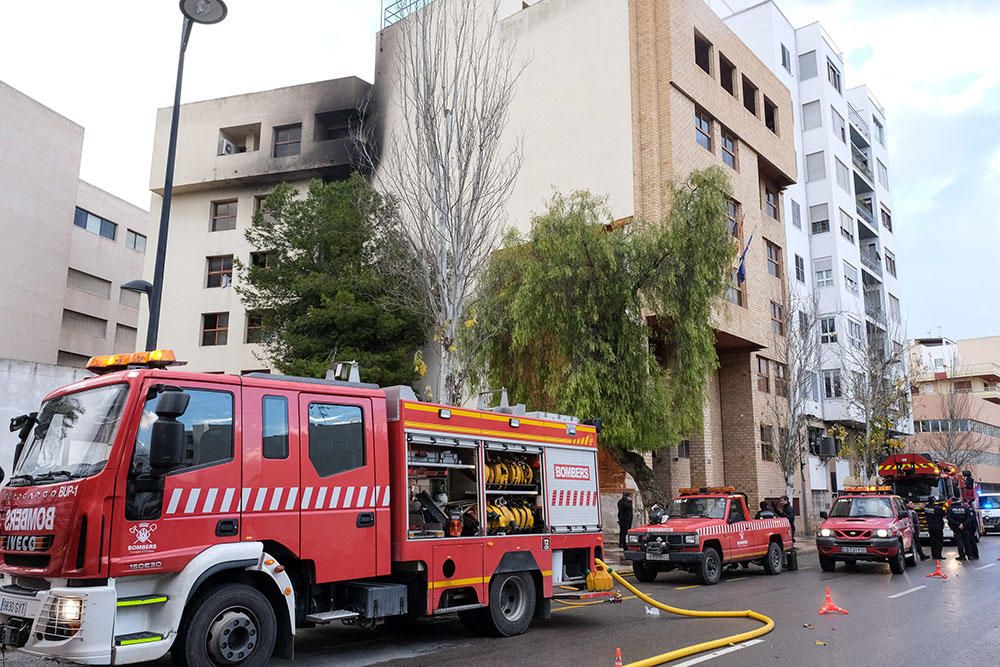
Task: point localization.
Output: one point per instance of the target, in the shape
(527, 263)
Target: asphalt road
(893, 620)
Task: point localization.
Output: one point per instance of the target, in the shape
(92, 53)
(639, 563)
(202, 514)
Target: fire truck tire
(773, 559)
(827, 564)
(228, 624)
(710, 570)
(897, 564)
(512, 604)
(644, 573)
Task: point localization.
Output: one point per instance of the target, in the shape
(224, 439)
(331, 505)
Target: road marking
(983, 567)
(720, 652)
(735, 579)
(907, 592)
(684, 588)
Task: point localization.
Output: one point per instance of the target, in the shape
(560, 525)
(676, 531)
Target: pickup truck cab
(701, 531)
(867, 524)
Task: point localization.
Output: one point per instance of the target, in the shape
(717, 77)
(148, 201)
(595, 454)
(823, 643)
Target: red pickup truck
(703, 530)
(867, 524)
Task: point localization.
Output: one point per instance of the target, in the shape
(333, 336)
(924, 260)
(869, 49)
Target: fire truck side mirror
(166, 441)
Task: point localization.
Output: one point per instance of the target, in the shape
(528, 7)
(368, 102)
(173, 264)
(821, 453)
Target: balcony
(400, 9)
(872, 261)
(864, 208)
(873, 308)
(862, 162)
(858, 122)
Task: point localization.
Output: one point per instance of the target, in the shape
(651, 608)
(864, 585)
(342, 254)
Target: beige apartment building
(620, 98)
(68, 244)
(231, 152)
(956, 402)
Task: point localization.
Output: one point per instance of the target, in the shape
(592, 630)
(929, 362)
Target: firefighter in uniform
(934, 514)
(971, 531)
(957, 516)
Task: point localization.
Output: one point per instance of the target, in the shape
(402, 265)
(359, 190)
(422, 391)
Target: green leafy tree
(613, 321)
(318, 295)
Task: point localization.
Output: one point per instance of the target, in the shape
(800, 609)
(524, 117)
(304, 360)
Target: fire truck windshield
(73, 436)
(871, 508)
(918, 489)
(709, 508)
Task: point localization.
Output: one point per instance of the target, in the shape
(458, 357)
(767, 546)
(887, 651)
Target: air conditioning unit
(226, 147)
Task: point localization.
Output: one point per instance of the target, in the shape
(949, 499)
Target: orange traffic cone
(829, 607)
(937, 571)
(618, 657)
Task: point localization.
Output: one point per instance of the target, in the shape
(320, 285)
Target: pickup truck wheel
(911, 558)
(772, 562)
(897, 564)
(512, 604)
(231, 624)
(711, 568)
(644, 573)
(827, 564)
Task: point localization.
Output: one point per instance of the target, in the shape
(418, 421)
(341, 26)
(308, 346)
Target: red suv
(868, 525)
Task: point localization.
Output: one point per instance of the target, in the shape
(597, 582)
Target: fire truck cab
(210, 515)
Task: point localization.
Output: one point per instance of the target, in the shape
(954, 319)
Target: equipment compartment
(443, 481)
(513, 489)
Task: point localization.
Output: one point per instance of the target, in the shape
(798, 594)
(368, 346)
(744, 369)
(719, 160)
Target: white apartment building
(68, 244)
(231, 152)
(841, 249)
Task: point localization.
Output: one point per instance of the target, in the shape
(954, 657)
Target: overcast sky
(932, 64)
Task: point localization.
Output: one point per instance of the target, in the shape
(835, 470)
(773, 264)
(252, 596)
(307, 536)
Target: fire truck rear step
(331, 616)
(137, 638)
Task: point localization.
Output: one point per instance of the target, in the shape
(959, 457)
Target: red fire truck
(917, 477)
(210, 515)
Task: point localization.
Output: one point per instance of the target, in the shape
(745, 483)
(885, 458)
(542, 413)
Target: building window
(843, 176)
(846, 226)
(819, 218)
(815, 167)
(796, 214)
(786, 59)
(781, 379)
(962, 387)
(287, 140)
(807, 65)
(766, 442)
(128, 298)
(261, 260)
(274, 427)
(729, 149)
(800, 269)
(333, 125)
(883, 174)
(684, 449)
(763, 374)
(703, 53)
(771, 201)
(215, 328)
(879, 131)
(770, 115)
(773, 259)
(95, 224)
(220, 271)
(824, 272)
(833, 75)
(777, 318)
(64, 358)
(894, 309)
(703, 129)
(255, 328)
(733, 217)
(336, 438)
(259, 211)
(832, 387)
(828, 330)
(890, 263)
(125, 337)
(886, 219)
(851, 278)
(86, 325)
(734, 291)
(727, 75)
(749, 96)
(812, 117)
(89, 284)
(135, 241)
(223, 215)
(855, 334)
(839, 128)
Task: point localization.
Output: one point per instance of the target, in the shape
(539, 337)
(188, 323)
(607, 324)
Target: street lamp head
(141, 286)
(204, 11)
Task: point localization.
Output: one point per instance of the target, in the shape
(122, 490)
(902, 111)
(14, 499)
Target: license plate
(853, 550)
(13, 607)
(657, 556)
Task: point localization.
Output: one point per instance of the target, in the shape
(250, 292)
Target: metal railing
(867, 214)
(872, 261)
(858, 121)
(400, 9)
(862, 162)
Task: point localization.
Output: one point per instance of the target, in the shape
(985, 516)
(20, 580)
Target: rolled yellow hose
(694, 649)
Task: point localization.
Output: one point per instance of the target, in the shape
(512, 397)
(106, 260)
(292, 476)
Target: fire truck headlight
(632, 538)
(881, 532)
(825, 532)
(690, 539)
(69, 610)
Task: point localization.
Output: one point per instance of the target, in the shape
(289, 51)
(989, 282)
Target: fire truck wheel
(897, 564)
(644, 573)
(710, 571)
(230, 624)
(512, 603)
(772, 562)
(827, 564)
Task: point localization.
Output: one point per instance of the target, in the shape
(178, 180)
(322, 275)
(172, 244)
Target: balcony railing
(400, 9)
(858, 121)
(873, 261)
(874, 310)
(867, 214)
(862, 162)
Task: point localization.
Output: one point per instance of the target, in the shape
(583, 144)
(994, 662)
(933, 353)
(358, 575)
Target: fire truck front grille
(31, 583)
(853, 534)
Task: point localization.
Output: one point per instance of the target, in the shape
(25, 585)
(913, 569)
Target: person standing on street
(957, 517)
(787, 510)
(971, 531)
(765, 511)
(919, 548)
(624, 517)
(934, 514)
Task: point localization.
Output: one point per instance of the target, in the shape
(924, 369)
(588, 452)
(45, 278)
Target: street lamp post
(195, 11)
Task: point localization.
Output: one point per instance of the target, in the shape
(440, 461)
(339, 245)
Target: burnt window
(770, 115)
(223, 215)
(749, 96)
(703, 53)
(287, 140)
(727, 75)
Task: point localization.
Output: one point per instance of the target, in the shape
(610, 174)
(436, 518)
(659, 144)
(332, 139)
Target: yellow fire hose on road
(694, 648)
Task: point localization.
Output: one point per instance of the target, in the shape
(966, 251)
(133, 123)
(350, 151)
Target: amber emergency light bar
(115, 362)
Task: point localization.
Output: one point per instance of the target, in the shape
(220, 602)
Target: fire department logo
(143, 537)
